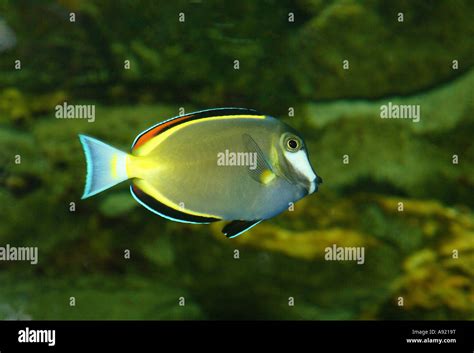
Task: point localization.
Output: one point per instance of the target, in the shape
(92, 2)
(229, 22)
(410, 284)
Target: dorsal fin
(167, 124)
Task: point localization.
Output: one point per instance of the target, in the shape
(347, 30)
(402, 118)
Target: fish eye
(292, 144)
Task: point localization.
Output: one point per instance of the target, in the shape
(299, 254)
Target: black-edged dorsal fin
(167, 124)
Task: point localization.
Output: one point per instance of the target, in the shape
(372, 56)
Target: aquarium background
(400, 189)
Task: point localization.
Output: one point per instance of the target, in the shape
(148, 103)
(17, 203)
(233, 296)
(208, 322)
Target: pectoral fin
(261, 172)
(235, 228)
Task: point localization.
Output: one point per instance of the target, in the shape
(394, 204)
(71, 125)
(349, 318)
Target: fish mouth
(313, 185)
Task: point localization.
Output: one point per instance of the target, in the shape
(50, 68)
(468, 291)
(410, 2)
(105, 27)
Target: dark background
(284, 66)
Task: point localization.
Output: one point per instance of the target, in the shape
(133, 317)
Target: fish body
(221, 164)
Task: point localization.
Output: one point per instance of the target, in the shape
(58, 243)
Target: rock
(386, 57)
(397, 155)
(19, 108)
(131, 297)
(404, 251)
(307, 245)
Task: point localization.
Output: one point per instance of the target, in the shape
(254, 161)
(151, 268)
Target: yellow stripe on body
(139, 167)
(150, 190)
(150, 145)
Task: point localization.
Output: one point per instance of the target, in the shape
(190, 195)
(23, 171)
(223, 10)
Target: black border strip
(168, 211)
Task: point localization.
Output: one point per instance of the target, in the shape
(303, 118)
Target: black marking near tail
(236, 228)
(161, 209)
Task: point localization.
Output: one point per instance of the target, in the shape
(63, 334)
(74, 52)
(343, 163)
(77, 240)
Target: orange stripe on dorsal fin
(155, 130)
(167, 124)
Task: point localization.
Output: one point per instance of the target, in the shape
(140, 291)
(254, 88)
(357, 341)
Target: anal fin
(235, 228)
(159, 208)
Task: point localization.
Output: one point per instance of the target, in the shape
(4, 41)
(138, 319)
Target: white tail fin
(105, 166)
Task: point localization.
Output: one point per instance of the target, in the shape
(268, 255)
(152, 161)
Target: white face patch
(300, 163)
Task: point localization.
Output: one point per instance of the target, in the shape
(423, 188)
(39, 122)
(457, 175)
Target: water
(399, 189)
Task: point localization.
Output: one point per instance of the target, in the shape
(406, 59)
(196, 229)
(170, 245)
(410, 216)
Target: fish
(7, 36)
(221, 164)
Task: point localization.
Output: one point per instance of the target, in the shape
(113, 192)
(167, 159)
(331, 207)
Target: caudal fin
(105, 166)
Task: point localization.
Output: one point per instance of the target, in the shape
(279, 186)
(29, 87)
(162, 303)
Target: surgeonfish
(229, 164)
